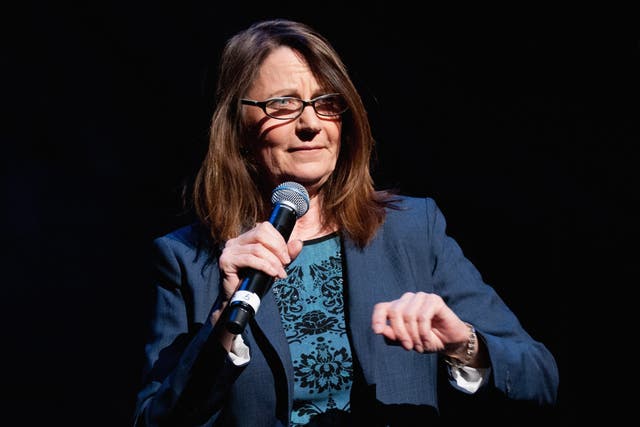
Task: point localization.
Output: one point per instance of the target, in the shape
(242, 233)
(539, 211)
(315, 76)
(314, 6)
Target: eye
(284, 102)
(331, 105)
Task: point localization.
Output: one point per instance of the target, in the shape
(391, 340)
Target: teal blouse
(311, 303)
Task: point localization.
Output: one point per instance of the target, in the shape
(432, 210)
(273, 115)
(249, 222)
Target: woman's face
(304, 149)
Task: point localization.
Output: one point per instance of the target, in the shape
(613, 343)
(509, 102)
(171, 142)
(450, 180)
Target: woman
(372, 301)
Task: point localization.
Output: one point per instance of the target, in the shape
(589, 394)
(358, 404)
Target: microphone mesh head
(293, 193)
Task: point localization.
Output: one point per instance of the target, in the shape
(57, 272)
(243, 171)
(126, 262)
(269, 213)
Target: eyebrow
(295, 94)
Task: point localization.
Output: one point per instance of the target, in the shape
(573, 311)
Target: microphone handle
(246, 300)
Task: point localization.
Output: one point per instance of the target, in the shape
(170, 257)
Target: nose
(308, 117)
(308, 123)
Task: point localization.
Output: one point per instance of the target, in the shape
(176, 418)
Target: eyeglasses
(290, 107)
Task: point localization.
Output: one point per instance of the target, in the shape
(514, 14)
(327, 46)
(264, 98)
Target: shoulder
(190, 235)
(414, 219)
(186, 258)
(407, 207)
(190, 241)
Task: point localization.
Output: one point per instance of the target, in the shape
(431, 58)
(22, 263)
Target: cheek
(335, 134)
(271, 136)
(260, 134)
(268, 145)
(272, 161)
(251, 116)
(338, 129)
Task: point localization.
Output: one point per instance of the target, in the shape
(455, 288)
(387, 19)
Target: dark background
(522, 128)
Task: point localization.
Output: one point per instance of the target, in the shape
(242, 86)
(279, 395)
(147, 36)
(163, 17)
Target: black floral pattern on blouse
(326, 367)
(311, 304)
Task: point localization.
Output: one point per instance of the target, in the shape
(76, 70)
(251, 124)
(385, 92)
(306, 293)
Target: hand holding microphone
(290, 201)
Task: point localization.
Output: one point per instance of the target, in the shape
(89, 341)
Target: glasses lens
(330, 105)
(283, 108)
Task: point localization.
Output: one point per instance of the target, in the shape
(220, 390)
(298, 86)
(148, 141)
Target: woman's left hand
(419, 321)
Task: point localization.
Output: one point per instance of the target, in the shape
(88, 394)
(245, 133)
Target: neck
(310, 225)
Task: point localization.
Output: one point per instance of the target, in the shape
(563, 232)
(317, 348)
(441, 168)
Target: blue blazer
(189, 379)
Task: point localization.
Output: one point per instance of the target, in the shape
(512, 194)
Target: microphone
(290, 201)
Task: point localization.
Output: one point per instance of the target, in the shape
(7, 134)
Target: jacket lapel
(268, 321)
(363, 292)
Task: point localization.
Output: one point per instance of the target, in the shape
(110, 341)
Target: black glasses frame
(305, 103)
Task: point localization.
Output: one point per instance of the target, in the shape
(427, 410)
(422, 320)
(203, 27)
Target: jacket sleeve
(522, 368)
(186, 372)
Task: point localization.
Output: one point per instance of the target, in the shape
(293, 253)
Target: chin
(305, 177)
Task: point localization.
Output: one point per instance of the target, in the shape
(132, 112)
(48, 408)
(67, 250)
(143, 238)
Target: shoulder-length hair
(228, 195)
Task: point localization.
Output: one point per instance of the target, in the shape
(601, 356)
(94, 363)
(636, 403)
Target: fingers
(414, 321)
(262, 248)
(400, 316)
(379, 320)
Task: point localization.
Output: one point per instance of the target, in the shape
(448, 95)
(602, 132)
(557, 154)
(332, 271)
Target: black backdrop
(521, 129)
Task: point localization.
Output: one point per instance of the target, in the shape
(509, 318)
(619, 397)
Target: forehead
(283, 56)
(284, 68)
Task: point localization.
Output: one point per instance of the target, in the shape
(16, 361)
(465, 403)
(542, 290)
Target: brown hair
(227, 193)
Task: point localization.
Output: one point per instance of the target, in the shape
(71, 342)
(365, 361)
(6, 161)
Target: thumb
(294, 247)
